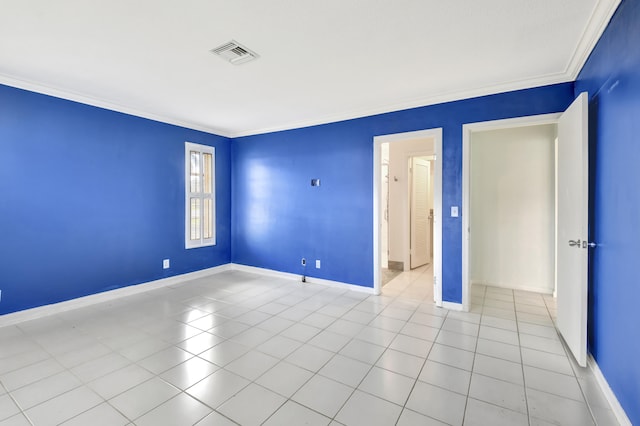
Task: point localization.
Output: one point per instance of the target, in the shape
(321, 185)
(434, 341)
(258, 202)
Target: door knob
(574, 243)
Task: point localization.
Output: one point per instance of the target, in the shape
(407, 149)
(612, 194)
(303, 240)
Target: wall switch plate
(166, 264)
(315, 182)
(317, 264)
(0, 295)
(454, 211)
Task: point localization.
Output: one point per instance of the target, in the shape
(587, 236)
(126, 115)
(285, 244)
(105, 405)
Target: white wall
(512, 201)
(399, 153)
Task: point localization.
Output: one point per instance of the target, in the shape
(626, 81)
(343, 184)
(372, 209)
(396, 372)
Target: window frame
(190, 147)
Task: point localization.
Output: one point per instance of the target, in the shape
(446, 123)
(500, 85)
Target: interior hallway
(238, 348)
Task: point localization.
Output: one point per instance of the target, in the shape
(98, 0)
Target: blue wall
(93, 200)
(612, 78)
(279, 218)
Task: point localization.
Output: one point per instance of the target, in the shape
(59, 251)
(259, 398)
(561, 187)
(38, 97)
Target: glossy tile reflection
(237, 348)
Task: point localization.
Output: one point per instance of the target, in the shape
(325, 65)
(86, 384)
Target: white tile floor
(236, 348)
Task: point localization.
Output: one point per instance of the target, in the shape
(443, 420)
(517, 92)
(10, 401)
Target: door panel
(572, 226)
(420, 224)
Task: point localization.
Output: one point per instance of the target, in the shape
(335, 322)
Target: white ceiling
(320, 61)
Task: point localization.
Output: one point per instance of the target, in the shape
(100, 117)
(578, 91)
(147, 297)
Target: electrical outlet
(303, 262)
(317, 264)
(166, 264)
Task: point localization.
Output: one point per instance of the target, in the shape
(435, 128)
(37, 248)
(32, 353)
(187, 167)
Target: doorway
(508, 199)
(406, 146)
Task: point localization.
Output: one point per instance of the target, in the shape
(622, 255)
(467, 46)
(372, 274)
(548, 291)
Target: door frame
(436, 134)
(467, 133)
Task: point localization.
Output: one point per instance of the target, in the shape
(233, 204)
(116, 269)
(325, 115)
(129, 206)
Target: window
(200, 209)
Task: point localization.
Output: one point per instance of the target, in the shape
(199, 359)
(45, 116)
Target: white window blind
(200, 217)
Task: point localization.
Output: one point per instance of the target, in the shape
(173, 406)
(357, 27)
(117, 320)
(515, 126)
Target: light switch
(454, 211)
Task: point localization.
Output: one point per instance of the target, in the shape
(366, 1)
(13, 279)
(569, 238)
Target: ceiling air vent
(235, 53)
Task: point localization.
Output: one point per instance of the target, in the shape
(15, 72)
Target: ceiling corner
(600, 17)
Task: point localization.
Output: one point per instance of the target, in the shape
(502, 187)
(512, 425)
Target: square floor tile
(552, 382)
(216, 419)
(8, 408)
(292, 413)
(362, 351)
(546, 361)
(279, 346)
(498, 392)
(217, 388)
(101, 415)
(446, 376)
(437, 403)
(411, 345)
(400, 362)
(420, 331)
(499, 335)
(284, 378)
(144, 397)
(499, 350)
(558, 410)
(480, 413)
(30, 374)
(387, 385)
(411, 418)
(63, 407)
(165, 359)
(200, 343)
(300, 332)
(252, 364)
(189, 372)
(345, 370)
(451, 356)
(457, 340)
(323, 395)
(365, 409)
(119, 381)
(224, 353)
(376, 336)
(262, 402)
(310, 357)
(45, 389)
(498, 369)
(16, 420)
(178, 411)
(329, 341)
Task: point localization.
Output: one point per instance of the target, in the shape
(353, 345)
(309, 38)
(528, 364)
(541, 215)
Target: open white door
(572, 226)
(420, 222)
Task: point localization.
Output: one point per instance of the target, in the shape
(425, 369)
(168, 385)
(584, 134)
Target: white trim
(200, 149)
(105, 104)
(436, 134)
(598, 22)
(617, 409)
(92, 299)
(467, 130)
(296, 277)
(453, 306)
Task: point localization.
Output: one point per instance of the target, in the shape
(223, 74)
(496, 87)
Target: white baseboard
(453, 306)
(617, 409)
(542, 290)
(297, 277)
(80, 302)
